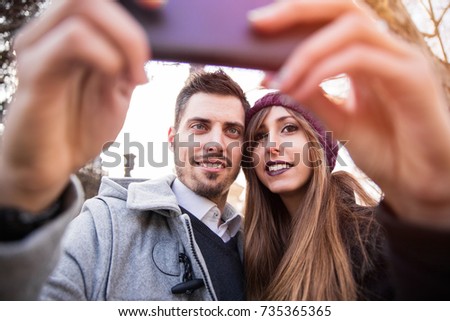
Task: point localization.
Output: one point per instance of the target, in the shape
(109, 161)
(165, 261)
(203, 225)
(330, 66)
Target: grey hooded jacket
(26, 264)
(125, 245)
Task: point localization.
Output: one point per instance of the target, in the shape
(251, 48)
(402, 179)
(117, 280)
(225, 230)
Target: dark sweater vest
(223, 261)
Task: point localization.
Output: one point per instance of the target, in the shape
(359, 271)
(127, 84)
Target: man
(170, 238)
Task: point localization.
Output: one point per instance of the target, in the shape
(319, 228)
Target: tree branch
(401, 23)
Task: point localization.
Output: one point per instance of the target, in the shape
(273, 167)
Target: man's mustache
(210, 157)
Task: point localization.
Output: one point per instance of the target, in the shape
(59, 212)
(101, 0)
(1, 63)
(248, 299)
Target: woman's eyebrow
(278, 120)
(282, 119)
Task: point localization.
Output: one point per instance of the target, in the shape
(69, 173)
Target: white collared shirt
(225, 224)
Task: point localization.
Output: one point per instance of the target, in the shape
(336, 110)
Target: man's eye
(198, 126)
(234, 131)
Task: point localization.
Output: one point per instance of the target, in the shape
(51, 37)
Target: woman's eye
(289, 128)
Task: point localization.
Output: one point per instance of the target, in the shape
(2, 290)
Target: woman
(306, 238)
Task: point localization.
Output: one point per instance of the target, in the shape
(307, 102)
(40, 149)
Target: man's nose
(215, 143)
(213, 148)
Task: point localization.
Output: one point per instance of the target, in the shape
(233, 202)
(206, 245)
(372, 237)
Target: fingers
(74, 42)
(333, 114)
(346, 32)
(108, 19)
(354, 60)
(347, 25)
(282, 15)
(350, 44)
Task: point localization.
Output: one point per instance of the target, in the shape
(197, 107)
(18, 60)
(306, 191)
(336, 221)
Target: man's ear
(171, 137)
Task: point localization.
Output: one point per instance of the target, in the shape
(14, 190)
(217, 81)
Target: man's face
(207, 145)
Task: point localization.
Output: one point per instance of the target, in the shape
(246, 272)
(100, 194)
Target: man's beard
(211, 189)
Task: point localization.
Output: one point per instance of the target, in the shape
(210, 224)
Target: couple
(66, 107)
(178, 239)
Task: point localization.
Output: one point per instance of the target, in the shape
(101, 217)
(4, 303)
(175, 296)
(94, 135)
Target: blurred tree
(425, 23)
(90, 177)
(13, 15)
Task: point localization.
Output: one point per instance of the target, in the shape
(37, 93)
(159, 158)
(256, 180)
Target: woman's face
(281, 155)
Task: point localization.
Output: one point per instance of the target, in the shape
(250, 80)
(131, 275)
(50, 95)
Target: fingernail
(279, 79)
(143, 79)
(260, 13)
(274, 84)
(152, 4)
(138, 77)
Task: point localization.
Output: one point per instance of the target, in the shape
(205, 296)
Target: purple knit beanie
(277, 99)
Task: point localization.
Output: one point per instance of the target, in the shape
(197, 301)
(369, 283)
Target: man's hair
(217, 82)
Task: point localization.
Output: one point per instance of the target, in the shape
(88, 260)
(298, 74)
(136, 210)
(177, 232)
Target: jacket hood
(140, 194)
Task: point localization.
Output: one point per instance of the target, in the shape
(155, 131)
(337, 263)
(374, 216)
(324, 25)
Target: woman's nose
(272, 144)
(274, 150)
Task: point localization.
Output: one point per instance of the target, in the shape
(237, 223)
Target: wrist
(16, 224)
(28, 190)
(427, 213)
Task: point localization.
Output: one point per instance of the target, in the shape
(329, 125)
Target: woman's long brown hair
(308, 256)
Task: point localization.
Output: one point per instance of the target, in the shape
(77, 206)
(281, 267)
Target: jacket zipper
(194, 253)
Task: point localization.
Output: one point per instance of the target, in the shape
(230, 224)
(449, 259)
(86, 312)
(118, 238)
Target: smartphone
(214, 32)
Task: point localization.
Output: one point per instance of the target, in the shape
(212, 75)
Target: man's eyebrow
(234, 123)
(208, 121)
(198, 119)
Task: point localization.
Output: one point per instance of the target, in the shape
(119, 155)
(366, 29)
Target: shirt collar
(203, 209)
(192, 202)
